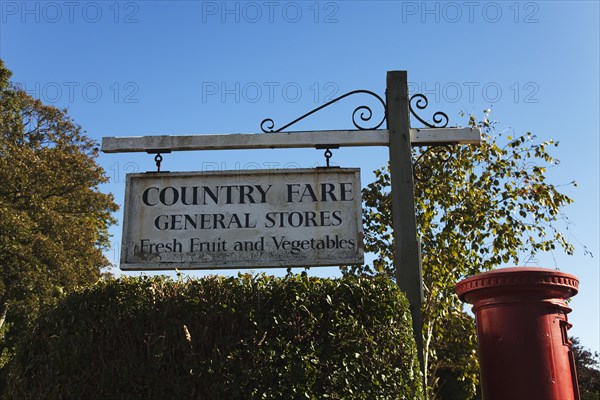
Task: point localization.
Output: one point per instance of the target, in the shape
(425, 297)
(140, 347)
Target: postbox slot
(564, 327)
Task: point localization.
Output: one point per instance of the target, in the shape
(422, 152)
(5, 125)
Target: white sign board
(242, 219)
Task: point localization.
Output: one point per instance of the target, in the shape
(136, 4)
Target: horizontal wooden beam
(309, 139)
(244, 141)
(437, 136)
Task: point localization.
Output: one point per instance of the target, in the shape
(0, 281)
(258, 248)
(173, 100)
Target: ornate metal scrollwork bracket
(440, 120)
(360, 114)
(424, 173)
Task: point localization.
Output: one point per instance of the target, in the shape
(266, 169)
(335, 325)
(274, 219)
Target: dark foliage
(588, 371)
(222, 338)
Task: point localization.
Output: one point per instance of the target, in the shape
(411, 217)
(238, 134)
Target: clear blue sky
(186, 67)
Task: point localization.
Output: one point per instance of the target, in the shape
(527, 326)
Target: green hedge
(222, 338)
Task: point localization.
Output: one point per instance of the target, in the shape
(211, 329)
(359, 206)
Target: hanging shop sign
(242, 219)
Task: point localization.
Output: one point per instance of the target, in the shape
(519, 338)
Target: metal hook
(158, 159)
(328, 154)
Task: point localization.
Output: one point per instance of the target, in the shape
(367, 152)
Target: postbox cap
(525, 281)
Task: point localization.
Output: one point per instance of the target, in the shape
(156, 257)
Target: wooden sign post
(407, 249)
(399, 137)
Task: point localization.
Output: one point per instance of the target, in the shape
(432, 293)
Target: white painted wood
(309, 139)
(432, 136)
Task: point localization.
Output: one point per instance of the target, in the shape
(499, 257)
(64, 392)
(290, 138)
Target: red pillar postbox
(521, 318)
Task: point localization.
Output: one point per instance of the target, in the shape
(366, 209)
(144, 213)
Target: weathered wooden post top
(322, 246)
